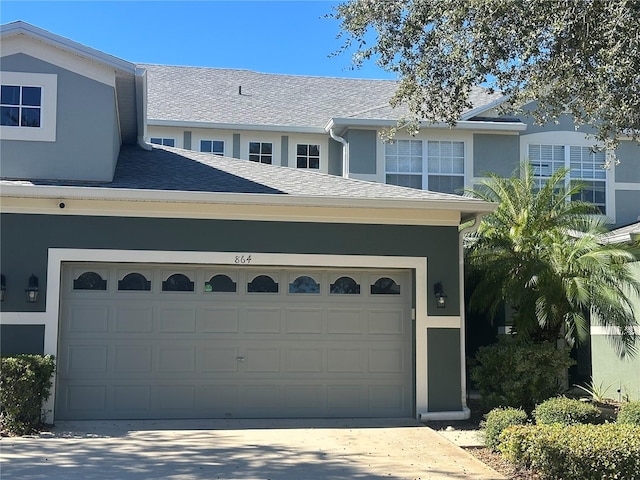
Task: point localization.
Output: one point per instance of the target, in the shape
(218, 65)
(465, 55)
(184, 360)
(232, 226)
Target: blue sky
(267, 36)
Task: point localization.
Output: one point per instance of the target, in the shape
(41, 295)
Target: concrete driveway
(239, 449)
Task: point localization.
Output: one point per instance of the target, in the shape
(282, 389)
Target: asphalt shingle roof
(211, 95)
(173, 169)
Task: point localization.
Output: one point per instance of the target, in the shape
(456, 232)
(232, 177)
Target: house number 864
(243, 259)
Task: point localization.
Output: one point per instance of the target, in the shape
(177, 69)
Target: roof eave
(340, 124)
(234, 126)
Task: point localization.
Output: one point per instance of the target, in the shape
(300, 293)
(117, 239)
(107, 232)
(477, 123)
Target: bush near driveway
(499, 419)
(25, 383)
(566, 411)
(575, 452)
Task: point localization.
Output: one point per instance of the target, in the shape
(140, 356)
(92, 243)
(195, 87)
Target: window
(89, 281)
(262, 284)
(403, 163)
(304, 284)
(28, 106)
(135, 281)
(345, 286)
(220, 283)
(167, 142)
(404, 160)
(445, 166)
(261, 152)
(21, 106)
(585, 164)
(308, 156)
(385, 286)
(212, 146)
(178, 282)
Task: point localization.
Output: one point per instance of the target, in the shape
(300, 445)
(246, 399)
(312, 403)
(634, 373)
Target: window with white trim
(28, 106)
(586, 166)
(261, 152)
(445, 166)
(212, 146)
(308, 156)
(444, 170)
(403, 163)
(167, 142)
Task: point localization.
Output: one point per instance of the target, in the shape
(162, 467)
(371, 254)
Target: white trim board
(58, 256)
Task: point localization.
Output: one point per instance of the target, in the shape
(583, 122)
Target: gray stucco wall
(495, 153)
(443, 369)
(628, 170)
(284, 151)
(236, 145)
(362, 151)
(627, 206)
(21, 339)
(335, 157)
(86, 146)
(24, 241)
(564, 123)
(186, 140)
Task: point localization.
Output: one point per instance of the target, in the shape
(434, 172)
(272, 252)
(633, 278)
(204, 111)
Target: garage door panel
(220, 320)
(206, 354)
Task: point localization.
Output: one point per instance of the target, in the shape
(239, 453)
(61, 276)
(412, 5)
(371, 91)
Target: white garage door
(175, 341)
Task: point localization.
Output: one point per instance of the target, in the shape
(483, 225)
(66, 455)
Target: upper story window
(167, 142)
(28, 106)
(212, 146)
(439, 167)
(261, 152)
(308, 156)
(445, 166)
(585, 164)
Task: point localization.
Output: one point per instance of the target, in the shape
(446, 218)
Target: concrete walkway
(239, 449)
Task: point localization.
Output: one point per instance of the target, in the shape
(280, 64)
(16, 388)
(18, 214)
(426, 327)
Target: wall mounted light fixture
(32, 289)
(441, 295)
(3, 287)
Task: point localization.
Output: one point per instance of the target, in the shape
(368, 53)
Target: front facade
(172, 283)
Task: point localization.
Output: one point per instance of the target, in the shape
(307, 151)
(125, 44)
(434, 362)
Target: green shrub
(566, 411)
(25, 383)
(575, 452)
(517, 374)
(497, 420)
(629, 413)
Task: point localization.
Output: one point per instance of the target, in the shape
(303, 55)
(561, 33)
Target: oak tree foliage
(580, 57)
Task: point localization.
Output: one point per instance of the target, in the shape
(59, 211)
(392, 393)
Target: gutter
(345, 152)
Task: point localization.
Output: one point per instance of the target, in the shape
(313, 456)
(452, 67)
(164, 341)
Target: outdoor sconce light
(32, 289)
(3, 287)
(441, 296)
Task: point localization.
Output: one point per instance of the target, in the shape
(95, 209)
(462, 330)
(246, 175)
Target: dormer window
(20, 106)
(28, 105)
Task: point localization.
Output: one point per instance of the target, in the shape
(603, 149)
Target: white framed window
(212, 146)
(167, 142)
(261, 152)
(403, 163)
(28, 106)
(445, 166)
(308, 156)
(586, 166)
(438, 168)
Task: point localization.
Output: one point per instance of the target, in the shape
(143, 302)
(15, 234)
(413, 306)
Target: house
(171, 283)
(619, 378)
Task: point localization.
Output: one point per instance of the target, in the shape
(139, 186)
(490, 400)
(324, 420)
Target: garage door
(169, 341)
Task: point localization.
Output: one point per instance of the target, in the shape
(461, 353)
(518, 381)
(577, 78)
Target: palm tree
(540, 254)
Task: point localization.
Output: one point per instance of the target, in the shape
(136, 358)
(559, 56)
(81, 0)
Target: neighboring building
(290, 121)
(176, 284)
(620, 375)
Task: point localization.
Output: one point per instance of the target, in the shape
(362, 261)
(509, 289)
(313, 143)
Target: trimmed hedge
(629, 413)
(497, 420)
(517, 374)
(574, 452)
(25, 383)
(566, 411)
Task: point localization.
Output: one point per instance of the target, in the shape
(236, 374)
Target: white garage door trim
(57, 256)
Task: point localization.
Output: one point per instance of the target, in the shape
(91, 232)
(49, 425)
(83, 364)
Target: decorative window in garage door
(385, 286)
(262, 284)
(134, 282)
(220, 283)
(345, 286)
(89, 281)
(178, 282)
(304, 284)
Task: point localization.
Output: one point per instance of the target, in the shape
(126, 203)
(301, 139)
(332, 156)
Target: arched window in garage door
(178, 282)
(89, 281)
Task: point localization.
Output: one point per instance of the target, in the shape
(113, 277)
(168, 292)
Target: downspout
(141, 106)
(463, 371)
(345, 152)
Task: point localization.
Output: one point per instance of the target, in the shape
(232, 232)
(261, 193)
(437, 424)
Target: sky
(288, 37)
